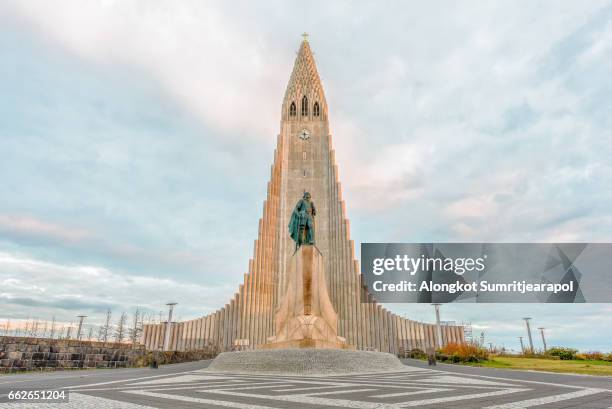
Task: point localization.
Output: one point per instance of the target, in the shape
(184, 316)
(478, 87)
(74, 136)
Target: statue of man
(301, 225)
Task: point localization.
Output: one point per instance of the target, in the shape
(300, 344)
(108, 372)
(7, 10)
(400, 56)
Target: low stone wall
(175, 357)
(26, 354)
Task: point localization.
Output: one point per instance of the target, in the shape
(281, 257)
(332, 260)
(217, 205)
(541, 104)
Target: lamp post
(529, 334)
(168, 326)
(543, 338)
(438, 328)
(522, 346)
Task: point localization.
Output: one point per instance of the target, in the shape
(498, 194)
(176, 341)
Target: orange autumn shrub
(467, 352)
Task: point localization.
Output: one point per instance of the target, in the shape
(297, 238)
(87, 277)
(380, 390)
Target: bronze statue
(301, 225)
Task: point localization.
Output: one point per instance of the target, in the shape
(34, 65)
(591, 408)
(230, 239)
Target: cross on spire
(305, 35)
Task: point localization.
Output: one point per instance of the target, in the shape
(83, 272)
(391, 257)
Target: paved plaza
(191, 386)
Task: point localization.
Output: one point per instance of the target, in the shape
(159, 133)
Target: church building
(304, 161)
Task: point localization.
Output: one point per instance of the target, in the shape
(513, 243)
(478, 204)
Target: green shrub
(416, 354)
(563, 353)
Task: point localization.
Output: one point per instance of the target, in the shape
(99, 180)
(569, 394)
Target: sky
(136, 140)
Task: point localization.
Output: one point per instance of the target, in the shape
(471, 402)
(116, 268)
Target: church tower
(304, 160)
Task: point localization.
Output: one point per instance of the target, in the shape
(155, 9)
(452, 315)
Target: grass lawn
(550, 365)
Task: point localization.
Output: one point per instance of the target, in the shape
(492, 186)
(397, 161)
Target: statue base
(305, 362)
(308, 343)
(306, 317)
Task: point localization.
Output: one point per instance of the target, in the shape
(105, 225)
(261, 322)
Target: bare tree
(120, 331)
(136, 328)
(105, 330)
(35, 328)
(90, 333)
(52, 333)
(69, 330)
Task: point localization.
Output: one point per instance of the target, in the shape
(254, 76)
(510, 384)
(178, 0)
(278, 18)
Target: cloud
(66, 290)
(32, 227)
(187, 47)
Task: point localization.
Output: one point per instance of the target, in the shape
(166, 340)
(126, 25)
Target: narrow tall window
(315, 109)
(292, 110)
(304, 106)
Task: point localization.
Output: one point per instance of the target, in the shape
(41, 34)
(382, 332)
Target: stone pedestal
(305, 362)
(305, 317)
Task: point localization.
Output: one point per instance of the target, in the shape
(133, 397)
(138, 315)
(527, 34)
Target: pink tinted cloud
(32, 227)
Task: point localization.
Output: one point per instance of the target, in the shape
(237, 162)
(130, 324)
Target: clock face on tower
(304, 134)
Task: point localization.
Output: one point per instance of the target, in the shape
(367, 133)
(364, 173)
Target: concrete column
(158, 337)
(174, 339)
(366, 326)
(231, 324)
(373, 327)
(405, 338)
(345, 278)
(205, 329)
(258, 284)
(258, 264)
(202, 332)
(245, 308)
(357, 301)
(248, 325)
(390, 332)
(194, 343)
(194, 334)
(145, 336)
(421, 334)
(333, 242)
(237, 315)
(198, 343)
(253, 303)
(412, 335)
(384, 332)
(188, 335)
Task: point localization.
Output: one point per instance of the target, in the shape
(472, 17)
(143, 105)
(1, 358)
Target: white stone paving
(78, 401)
(365, 391)
(397, 390)
(546, 399)
(181, 379)
(201, 400)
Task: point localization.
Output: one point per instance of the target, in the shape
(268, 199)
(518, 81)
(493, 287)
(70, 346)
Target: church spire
(304, 98)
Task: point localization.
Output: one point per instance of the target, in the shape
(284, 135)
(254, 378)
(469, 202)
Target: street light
(543, 339)
(168, 326)
(529, 334)
(438, 328)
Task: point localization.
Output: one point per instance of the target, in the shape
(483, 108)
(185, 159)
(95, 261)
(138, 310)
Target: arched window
(304, 106)
(315, 109)
(292, 110)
